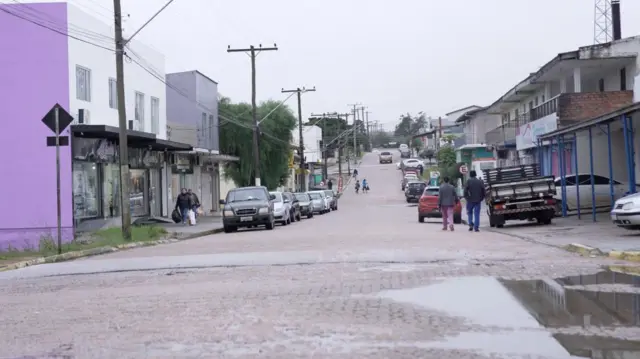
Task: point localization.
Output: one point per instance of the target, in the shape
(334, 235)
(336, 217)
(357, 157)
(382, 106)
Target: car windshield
(410, 177)
(329, 193)
(386, 153)
(416, 184)
(431, 191)
(315, 195)
(278, 196)
(246, 194)
(302, 197)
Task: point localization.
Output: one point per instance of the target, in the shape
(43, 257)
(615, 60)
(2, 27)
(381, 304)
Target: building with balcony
(50, 61)
(573, 87)
(192, 118)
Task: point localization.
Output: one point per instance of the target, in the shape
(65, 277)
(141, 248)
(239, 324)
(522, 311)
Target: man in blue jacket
(474, 194)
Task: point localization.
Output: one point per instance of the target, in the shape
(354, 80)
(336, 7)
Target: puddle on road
(546, 317)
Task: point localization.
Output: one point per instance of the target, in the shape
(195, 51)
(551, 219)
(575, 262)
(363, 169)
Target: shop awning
(137, 139)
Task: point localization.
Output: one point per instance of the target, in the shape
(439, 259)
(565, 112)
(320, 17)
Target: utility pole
(125, 207)
(368, 130)
(253, 52)
(355, 119)
(362, 120)
(302, 182)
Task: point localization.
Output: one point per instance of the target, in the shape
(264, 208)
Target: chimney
(615, 20)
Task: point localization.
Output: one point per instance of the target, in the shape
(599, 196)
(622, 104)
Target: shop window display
(85, 190)
(138, 192)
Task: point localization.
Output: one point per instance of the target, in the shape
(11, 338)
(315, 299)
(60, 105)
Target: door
(155, 192)
(206, 199)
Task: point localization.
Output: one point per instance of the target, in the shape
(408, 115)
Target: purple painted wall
(34, 76)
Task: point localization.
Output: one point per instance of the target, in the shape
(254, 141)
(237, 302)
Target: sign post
(464, 169)
(57, 119)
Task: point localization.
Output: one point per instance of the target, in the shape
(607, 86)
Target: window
(623, 79)
(204, 132)
(139, 114)
(155, 115)
(113, 93)
(601, 85)
(211, 131)
(83, 83)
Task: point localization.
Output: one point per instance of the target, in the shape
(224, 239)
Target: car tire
(229, 229)
(335, 209)
(271, 225)
(421, 219)
(299, 218)
(310, 215)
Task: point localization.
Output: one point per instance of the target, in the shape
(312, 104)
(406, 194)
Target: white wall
(101, 62)
(601, 153)
(475, 129)
(311, 135)
(226, 185)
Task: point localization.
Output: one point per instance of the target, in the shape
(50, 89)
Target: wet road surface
(366, 281)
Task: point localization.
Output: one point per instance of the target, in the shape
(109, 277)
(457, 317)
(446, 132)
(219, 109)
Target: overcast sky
(392, 56)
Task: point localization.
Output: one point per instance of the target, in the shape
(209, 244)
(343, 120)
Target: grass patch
(110, 237)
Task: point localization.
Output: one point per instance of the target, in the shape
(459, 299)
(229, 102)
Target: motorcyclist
(355, 173)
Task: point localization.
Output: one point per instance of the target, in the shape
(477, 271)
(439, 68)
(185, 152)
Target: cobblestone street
(366, 281)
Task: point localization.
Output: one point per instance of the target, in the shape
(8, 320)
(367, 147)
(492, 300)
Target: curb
(174, 238)
(631, 256)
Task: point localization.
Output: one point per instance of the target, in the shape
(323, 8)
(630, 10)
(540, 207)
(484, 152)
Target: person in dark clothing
(195, 200)
(330, 184)
(183, 204)
(474, 194)
(421, 170)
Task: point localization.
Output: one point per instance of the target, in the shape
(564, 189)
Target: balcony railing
(544, 109)
(502, 133)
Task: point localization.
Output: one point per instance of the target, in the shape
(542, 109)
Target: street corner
(631, 256)
(583, 250)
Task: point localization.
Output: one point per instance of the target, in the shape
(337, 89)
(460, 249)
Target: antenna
(602, 22)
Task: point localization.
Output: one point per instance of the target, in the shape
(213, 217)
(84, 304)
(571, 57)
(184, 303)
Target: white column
(563, 85)
(547, 91)
(577, 80)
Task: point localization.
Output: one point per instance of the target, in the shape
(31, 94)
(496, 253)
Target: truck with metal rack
(519, 193)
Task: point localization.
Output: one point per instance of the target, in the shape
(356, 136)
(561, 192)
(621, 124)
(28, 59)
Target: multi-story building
(60, 54)
(312, 139)
(192, 118)
(572, 87)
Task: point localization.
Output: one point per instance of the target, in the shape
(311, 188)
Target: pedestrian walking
(421, 170)
(195, 202)
(447, 199)
(330, 184)
(474, 193)
(184, 203)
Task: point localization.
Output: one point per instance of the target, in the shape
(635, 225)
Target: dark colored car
(295, 206)
(306, 208)
(414, 190)
(333, 200)
(247, 207)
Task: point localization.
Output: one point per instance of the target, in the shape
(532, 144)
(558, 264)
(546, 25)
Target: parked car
(306, 207)
(601, 187)
(428, 206)
(295, 206)
(411, 163)
(414, 190)
(385, 157)
(318, 202)
(408, 177)
(626, 212)
(333, 200)
(281, 208)
(248, 207)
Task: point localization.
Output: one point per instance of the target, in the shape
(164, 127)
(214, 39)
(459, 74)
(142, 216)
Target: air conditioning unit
(83, 117)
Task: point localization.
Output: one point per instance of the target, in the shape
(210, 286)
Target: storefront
(96, 174)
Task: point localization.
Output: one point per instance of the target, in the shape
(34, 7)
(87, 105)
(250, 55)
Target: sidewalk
(581, 235)
(205, 225)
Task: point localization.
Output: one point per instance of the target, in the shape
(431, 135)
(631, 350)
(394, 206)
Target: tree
(333, 127)
(447, 162)
(237, 140)
(379, 139)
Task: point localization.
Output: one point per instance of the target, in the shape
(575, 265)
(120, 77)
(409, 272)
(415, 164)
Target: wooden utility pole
(355, 119)
(123, 143)
(253, 52)
(302, 182)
